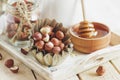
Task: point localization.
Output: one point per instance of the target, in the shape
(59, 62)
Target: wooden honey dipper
(86, 29)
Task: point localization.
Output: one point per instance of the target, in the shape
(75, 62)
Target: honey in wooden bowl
(90, 44)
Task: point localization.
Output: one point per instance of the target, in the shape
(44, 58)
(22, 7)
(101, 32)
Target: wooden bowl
(88, 45)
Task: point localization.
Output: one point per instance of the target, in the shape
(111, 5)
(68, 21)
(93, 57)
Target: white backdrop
(69, 12)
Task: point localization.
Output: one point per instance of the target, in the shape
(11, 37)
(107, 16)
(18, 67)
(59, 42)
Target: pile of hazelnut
(51, 42)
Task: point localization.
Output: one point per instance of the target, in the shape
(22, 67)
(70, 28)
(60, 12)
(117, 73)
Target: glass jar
(19, 27)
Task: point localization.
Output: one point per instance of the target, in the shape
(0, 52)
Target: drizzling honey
(86, 29)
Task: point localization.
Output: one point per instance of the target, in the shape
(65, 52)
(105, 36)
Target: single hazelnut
(0, 56)
(100, 71)
(25, 50)
(55, 41)
(9, 63)
(49, 46)
(62, 45)
(56, 50)
(39, 44)
(14, 69)
(37, 36)
(59, 35)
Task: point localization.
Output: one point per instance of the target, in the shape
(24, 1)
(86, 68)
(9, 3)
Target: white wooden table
(112, 68)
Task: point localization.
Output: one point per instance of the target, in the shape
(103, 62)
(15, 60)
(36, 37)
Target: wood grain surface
(5, 74)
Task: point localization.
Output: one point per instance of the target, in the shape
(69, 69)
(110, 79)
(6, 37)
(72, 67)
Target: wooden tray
(74, 64)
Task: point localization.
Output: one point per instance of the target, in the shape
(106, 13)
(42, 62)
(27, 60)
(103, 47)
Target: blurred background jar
(20, 17)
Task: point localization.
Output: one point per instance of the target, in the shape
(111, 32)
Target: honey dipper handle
(83, 9)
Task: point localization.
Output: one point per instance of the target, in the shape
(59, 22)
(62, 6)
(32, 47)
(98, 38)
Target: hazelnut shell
(14, 69)
(25, 51)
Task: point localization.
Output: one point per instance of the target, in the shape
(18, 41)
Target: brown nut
(56, 50)
(14, 69)
(62, 45)
(9, 63)
(55, 41)
(25, 50)
(37, 36)
(0, 56)
(49, 46)
(39, 44)
(59, 35)
(100, 71)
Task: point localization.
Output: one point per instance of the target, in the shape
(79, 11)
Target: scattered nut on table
(100, 70)
(9, 63)
(25, 51)
(14, 69)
